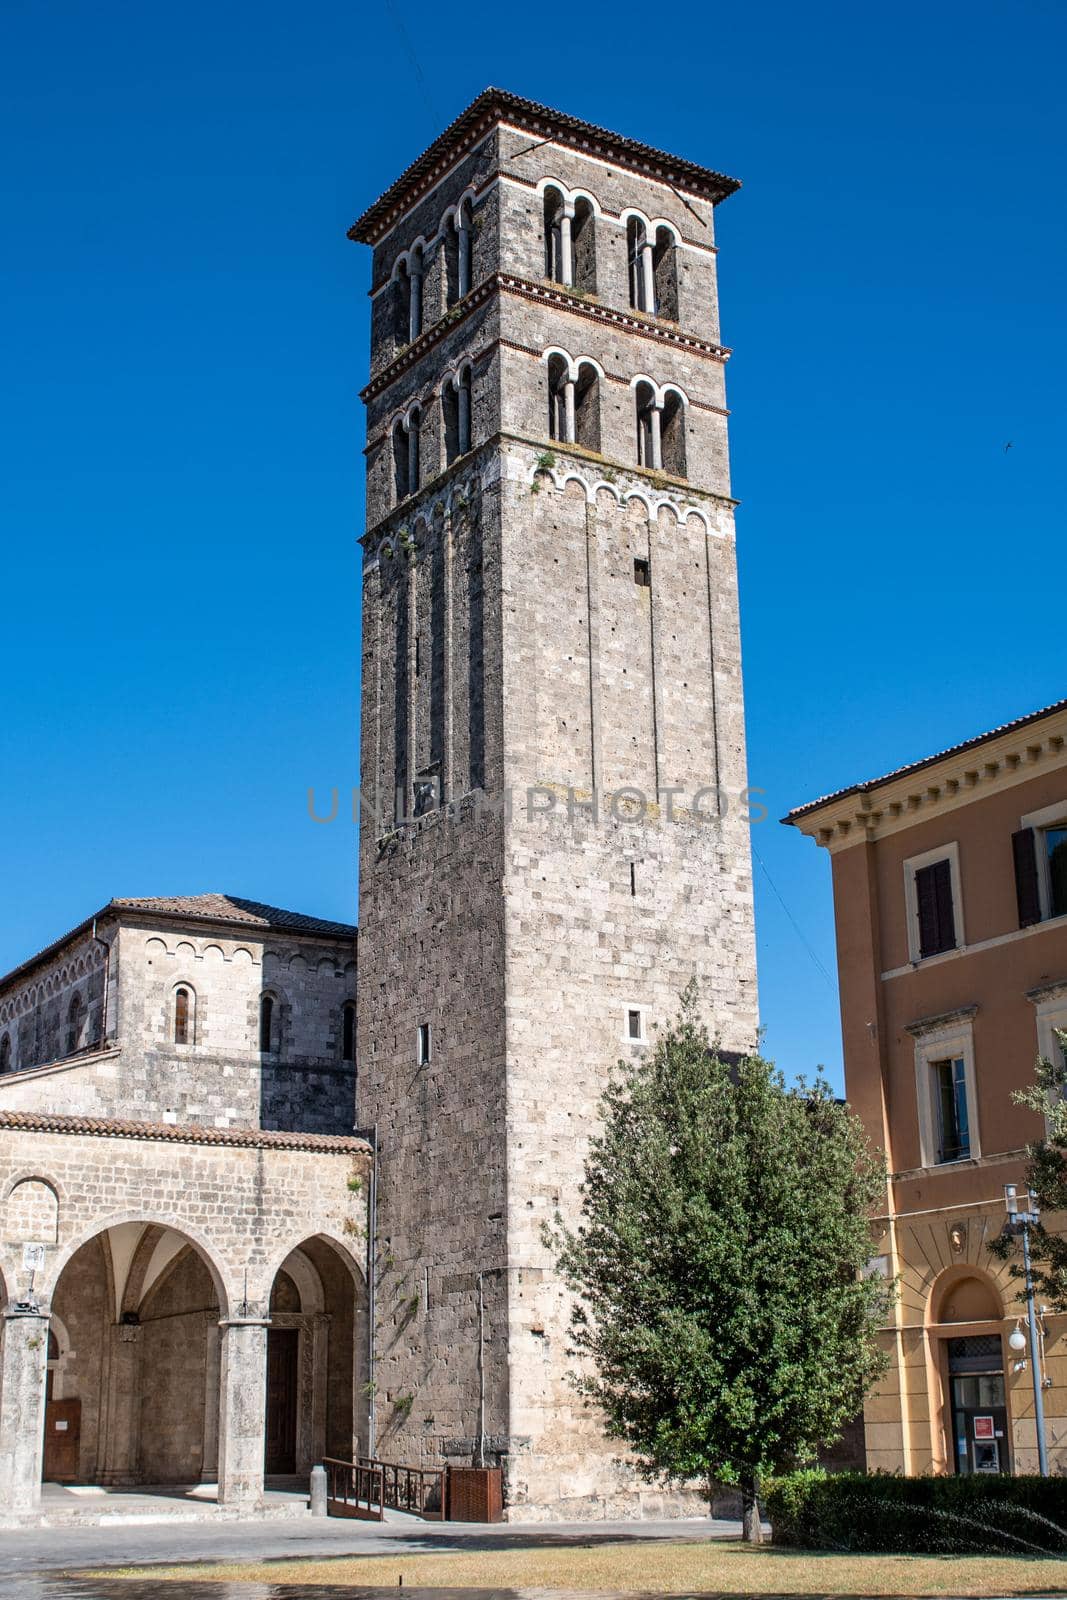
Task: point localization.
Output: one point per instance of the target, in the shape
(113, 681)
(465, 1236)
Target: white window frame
(1048, 817)
(642, 1011)
(944, 852)
(949, 1043)
(1051, 1014)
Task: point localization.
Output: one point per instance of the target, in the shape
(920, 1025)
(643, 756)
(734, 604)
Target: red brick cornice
(545, 294)
(187, 1133)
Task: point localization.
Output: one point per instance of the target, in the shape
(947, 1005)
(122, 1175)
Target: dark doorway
(979, 1409)
(281, 1400)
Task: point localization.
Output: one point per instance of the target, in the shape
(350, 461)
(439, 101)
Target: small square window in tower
(635, 1029)
(642, 573)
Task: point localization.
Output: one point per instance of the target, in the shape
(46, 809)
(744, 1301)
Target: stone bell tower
(554, 834)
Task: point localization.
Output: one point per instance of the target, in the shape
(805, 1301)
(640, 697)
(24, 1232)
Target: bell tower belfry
(554, 834)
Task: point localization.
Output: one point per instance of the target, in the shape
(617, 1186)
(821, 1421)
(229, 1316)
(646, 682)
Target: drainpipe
(479, 1454)
(372, 1293)
(107, 984)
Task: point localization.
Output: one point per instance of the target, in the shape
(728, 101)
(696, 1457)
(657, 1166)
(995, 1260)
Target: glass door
(980, 1422)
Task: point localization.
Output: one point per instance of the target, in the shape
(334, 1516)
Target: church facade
(553, 842)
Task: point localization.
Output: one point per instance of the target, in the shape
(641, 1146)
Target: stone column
(413, 454)
(566, 248)
(120, 1447)
(209, 1466)
(415, 303)
(23, 1371)
(242, 1411)
(568, 412)
(320, 1332)
(656, 419)
(648, 278)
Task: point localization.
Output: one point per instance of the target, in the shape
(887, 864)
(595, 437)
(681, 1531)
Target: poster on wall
(983, 1428)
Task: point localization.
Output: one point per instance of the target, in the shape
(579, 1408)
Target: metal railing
(417, 1490)
(355, 1489)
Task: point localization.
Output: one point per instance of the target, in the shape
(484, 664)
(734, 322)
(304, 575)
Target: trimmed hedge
(921, 1516)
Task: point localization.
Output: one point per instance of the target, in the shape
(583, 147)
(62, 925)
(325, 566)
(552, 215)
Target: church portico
(180, 1305)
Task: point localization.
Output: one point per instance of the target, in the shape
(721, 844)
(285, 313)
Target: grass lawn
(671, 1567)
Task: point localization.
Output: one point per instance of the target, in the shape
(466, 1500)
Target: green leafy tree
(727, 1327)
(1047, 1176)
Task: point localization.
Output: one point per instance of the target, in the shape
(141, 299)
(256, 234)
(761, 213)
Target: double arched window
(406, 453)
(456, 414)
(458, 236)
(573, 401)
(660, 428)
(408, 291)
(653, 268)
(570, 240)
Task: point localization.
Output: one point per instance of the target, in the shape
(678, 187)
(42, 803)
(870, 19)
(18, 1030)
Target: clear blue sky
(185, 337)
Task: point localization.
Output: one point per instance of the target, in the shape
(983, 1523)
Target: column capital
(244, 1322)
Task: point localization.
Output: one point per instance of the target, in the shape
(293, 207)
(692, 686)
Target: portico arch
(316, 1402)
(139, 1304)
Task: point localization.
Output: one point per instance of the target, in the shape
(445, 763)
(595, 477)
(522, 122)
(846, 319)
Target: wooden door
(280, 1455)
(62, 1438)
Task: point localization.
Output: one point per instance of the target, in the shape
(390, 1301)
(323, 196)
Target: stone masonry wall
(220, 1078)
(609, 656)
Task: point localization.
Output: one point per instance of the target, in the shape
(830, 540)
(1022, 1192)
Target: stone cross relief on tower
(554, 837)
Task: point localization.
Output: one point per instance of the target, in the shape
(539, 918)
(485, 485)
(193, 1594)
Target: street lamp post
(1020, 1222)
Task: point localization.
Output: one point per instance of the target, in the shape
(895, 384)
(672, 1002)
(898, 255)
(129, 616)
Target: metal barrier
(355, 1489)
(418, 1490)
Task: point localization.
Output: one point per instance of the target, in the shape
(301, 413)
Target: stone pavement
(33, 1562)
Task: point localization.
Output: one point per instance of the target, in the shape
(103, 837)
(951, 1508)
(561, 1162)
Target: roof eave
(494, 106)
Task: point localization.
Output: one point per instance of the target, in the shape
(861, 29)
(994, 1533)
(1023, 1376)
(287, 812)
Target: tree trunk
(751, 1527)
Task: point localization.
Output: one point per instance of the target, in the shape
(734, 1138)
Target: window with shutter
(937, 922)
(1027, 886)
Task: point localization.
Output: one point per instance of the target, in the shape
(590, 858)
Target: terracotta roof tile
(499, 105)
(187, 1133)
(229, 908)
(927, 761)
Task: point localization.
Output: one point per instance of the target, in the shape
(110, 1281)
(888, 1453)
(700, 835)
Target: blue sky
(184, 329)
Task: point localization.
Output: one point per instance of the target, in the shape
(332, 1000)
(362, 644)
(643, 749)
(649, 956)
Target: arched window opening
(672, 427)
(642, 272)
(413, 426)
(583, 247)
(400, 462)
(458, 240)
(648, 428)
(456, 415)
(75, 1025)
(560, 401)
(5, 1053)
(555, 266)
(183, 1016)
(587, 407)
(665, 274)
(451, 249)
(348, 1032)
(402, 304)
(266, 1024)
(415, 277)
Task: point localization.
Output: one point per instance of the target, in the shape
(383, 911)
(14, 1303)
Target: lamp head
(1017, 1339)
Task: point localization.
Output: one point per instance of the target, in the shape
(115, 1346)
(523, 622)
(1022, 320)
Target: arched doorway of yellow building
(965, 1328)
